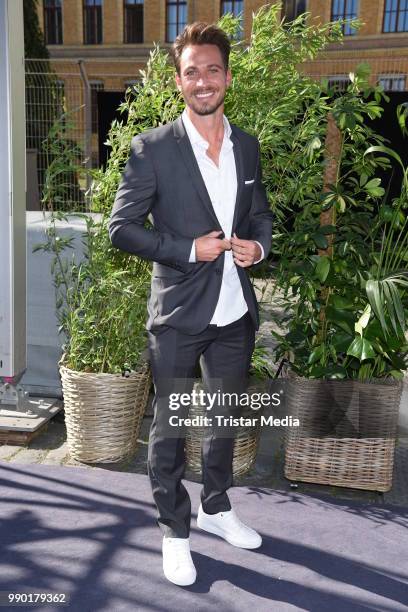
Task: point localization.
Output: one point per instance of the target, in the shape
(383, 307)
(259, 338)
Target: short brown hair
(200, 33)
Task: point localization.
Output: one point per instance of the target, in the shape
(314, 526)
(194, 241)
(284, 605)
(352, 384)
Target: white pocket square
(249, 182)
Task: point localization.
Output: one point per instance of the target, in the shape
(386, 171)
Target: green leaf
(361, 348)
(316, 354)
(363, 320)
(341, 341)
(320, 241)
(373, 183)
(323, 268)
(397, 374)
(342, 318)
(342, 303)
(373, 294)
(341, 204)
(327, 229)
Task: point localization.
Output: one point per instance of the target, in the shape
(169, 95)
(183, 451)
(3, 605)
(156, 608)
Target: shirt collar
(195, 136)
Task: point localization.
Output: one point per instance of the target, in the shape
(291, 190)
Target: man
(200, 180)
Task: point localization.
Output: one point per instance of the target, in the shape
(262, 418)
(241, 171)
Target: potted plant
(344, 280)
(100, 299)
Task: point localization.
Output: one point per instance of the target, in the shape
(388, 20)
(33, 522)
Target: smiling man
(199, 178)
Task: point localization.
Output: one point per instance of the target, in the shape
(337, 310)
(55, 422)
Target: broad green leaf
(363, 320)
(387, 150)
(373, 294)
(375, 182)
(344, 319)
(342, 303)
(327, 229)
(322, 268)
(341, 204)
(316, 354)
(361, 348)
(397, 374)
(341, 341)
(320, 241)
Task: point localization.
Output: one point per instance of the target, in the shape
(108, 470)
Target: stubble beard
(204, 108)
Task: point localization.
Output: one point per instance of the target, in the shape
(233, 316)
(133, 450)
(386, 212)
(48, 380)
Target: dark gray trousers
(224, 354)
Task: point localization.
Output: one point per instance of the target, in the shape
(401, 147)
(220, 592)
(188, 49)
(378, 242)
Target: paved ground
(91, 535)
(50, 448)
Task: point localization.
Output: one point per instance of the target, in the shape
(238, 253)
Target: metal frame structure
(17, 411)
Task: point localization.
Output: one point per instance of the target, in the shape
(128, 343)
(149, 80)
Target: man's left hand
(245, 252)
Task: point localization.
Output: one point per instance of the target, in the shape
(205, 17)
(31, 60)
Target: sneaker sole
(179, 582)
(222, 535)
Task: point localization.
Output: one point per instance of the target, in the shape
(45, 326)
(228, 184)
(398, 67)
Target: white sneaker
(228, 526)
(178, 566)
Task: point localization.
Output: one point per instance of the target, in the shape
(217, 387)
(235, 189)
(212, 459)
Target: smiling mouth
(203, 96)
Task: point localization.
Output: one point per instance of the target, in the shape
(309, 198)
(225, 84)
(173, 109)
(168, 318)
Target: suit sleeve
(134, 200)
(261, 217)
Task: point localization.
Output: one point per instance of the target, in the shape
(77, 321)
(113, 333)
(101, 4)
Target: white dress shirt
(221, 184)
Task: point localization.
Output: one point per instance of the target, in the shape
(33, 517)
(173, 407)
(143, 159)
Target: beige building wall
(114, 62)
(104, 61)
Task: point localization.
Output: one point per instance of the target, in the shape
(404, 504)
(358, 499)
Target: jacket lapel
(239, 164)
(189, 158)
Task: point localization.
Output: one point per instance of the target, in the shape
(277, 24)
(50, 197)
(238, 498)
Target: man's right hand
(210, 246)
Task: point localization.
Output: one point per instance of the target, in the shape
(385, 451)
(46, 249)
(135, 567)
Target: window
(339, 82)
(133, 25)
(95, 87)
(176, 18)
(344, 9)
(133, 83)
(92, 22)
(395, 16)
(392, 82)
(235, 7)
(53, 22)
(293, 8)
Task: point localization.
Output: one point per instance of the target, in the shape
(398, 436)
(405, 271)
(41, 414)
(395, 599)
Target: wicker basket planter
(347, 432)
(103, 413)
(245, 445)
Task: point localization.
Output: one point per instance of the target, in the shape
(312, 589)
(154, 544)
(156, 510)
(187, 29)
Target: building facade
(114, 37)
(100, 45)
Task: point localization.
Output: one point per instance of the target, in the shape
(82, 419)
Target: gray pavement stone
(7, 451)
(28, 455)
(57, 456)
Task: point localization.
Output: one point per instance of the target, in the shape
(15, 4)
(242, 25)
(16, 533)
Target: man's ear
(178, 81)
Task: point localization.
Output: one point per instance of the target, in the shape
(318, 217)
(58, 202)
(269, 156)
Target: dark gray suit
(162, 179)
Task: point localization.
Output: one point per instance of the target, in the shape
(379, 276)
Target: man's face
(203, 80)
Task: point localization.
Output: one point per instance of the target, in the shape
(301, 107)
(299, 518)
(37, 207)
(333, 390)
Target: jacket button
(218, 271)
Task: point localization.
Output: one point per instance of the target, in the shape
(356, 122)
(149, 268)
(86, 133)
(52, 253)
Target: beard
(204, 108)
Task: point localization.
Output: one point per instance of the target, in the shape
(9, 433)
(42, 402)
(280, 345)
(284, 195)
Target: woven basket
(103, 413)
(245, 445)
(347, 432)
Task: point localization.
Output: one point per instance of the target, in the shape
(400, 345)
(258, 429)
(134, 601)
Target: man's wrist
(262, 252)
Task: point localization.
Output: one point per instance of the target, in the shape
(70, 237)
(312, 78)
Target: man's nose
(202, 81)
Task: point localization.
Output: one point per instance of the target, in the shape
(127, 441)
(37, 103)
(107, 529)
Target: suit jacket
(162, 181)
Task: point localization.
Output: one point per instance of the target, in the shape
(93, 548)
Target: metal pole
(88, 120)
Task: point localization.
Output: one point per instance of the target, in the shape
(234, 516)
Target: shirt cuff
(192, 258)
(262, 252)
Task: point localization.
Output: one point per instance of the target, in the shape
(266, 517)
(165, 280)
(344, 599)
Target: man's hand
(245, 252)
(209, 247)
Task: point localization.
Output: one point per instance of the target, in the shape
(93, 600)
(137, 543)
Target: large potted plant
(100, 299)
(344, 279)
